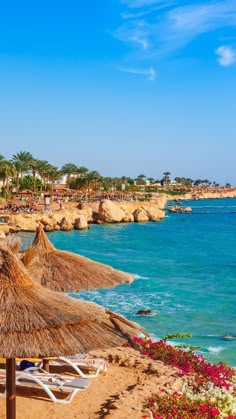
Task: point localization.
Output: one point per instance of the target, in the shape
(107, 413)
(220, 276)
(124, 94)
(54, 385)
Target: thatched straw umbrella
(67, 272)
(14, 243)
(35, 321)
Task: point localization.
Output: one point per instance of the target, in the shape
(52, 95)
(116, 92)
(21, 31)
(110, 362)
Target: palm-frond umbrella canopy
(35, 321)
(65, 271)
(14, 243)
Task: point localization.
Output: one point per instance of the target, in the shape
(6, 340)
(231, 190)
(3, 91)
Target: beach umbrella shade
(13, 243)
(37, 322)
(65, 271)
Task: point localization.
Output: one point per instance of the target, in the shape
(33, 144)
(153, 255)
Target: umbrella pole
(11, 388)
(46, 365)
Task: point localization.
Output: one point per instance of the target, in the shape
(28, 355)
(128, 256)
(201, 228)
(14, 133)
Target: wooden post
(11, 388)
(46, 364)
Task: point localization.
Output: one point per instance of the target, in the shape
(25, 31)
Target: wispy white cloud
(200, 18)
(137, 15)
(226, 55)
(150, 73)
(166, 26)
(135, 4)
(140, 41)
(154, 29)
(134, 32)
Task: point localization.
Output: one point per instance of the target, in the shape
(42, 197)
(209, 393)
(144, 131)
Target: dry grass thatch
(65, 271)
(13, 243)
(35, 321)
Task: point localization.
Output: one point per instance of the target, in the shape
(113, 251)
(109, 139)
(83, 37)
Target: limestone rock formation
(140, 215)
(155, 214)
(128, 217)
(26, 222)
(109, 212)
(65, 224)
(81, 223)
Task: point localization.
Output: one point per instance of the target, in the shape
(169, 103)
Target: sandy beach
(120, 393)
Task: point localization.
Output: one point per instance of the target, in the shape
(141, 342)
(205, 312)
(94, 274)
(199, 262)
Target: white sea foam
(136, 276)
(164, 294)
(213, 336)
(215, 349)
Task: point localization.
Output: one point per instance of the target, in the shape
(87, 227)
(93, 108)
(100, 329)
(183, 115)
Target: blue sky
(121, 86)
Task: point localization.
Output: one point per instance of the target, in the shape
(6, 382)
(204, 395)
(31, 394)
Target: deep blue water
(185, 269)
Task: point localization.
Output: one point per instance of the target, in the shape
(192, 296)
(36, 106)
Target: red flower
(214, 411)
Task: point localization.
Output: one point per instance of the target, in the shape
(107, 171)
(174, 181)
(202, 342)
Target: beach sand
(120, 393)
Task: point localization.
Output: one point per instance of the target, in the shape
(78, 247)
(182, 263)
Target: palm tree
(53, 174)
(69, 169)
(82, 171)
(130, 181)
(124, 182)
(116, 183)
(42, 168)
(140, 179)
(21, 162)
(206, 182)
(80, 180)
(107, 183)
(34, 164)
(6, 172)
(166, 179)
(91, 179)
(197, 182)
(95, 177)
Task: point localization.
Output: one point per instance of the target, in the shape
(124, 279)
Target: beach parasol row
(65, 271)
(37, 322)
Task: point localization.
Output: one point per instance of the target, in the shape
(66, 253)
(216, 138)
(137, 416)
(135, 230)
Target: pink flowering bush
(209, 391)
(187, 362)
(177, 406)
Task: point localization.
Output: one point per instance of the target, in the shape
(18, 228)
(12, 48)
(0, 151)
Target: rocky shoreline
(79, 216)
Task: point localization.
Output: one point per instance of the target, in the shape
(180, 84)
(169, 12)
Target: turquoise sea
(185, 271)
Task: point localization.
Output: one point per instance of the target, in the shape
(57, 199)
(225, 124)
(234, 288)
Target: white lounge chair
(34, 377)
(80, 361)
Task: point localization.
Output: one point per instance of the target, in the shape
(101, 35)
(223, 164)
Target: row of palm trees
(12, 171)
(24, 169)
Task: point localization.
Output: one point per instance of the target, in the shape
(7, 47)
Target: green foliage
(190, 348)
(28, 183)
(177, 335)
(170, 192)
(148, 189)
